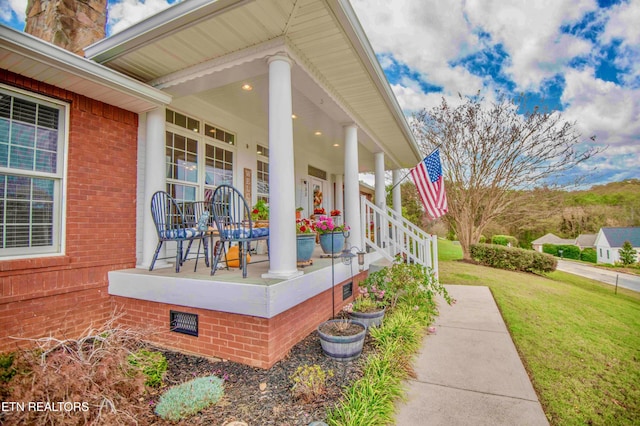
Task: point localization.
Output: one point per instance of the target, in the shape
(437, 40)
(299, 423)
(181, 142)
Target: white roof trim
(38, 50)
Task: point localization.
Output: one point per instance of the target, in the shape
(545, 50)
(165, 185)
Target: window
(196, 165)
(262, 175)
(32, 135)
(316, 172)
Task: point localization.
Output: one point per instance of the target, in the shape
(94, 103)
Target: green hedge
(589, 255)
(511, 258)
(568, 251)
(504, 240)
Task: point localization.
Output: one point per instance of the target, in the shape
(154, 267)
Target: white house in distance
(610, 240)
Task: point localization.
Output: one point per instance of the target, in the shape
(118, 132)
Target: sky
(579, 57)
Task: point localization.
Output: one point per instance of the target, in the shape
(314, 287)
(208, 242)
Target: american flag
(427, 176)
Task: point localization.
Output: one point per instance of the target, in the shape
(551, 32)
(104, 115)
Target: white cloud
(424, 35)
(125, 13)
(623, 26)
(603, 108)
(529, 32)
(13, 7)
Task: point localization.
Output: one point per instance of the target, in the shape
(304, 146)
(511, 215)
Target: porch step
(379, 264)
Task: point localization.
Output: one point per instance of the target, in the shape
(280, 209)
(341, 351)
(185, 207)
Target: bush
(309, 382)
(504, 240)
(551, 249)
(152, 364)
(589, 255)
(189, 398)
(513, 259)
(91, 373)
(628, 254)
(568, 251)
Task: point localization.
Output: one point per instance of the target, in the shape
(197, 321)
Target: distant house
(586, 241)
(610, 240)
(550, 239)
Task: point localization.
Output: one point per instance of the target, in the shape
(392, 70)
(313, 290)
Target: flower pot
(305, 245)
(370, 319)
(342, 347)
(338, 242)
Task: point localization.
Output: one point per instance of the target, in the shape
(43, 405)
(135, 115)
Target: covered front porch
(285, 101)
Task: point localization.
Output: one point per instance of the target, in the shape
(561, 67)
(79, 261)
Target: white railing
(402, 238)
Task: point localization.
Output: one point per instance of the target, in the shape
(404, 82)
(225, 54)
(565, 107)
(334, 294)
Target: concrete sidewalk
(469, 372)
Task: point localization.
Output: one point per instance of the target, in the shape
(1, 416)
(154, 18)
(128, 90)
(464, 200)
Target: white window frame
(58, 246)
(263, 159)
(202, 142)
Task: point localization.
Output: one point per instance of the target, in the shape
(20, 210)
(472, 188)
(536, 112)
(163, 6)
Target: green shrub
(551, 249)
(569, 251)
(504, 240)
(187, 399)
(310, 382)
(152, 364)
(589, 255)
(513, 259)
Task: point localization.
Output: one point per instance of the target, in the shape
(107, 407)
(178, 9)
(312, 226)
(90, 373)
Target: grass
(578, 340)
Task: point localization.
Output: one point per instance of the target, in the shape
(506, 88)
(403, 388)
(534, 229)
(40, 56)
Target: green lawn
(579, 341)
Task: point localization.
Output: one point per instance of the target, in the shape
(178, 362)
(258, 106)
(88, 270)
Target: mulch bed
(245, 401)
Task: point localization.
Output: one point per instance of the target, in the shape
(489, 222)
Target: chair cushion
(181, 234)
(203, 221)
(244, 233)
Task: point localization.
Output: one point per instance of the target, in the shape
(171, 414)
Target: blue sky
(581, 57)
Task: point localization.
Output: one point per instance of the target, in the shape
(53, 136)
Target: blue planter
(305, 246)
(338, 242)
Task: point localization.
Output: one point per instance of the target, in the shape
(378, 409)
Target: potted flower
(299, 212)
(260, 213)
(370, 306)
(331, 235)
(306, 239)
(342, 339)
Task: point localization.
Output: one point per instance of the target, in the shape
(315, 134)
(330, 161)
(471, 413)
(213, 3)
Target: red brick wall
(63, 295)
(259, 342)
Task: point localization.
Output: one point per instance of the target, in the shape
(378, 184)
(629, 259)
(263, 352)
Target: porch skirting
(249, 339)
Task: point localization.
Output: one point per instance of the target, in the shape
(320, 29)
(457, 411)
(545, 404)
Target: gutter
(40, 51)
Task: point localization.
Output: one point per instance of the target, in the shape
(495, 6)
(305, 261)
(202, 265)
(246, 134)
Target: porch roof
(26, 55)
(335, 72)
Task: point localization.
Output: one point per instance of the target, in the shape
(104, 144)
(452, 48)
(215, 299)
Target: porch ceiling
(336, 72)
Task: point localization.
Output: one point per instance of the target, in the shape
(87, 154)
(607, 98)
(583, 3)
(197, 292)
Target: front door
(317, 199)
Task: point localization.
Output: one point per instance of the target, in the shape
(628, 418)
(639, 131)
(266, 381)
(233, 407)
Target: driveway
(631, 282)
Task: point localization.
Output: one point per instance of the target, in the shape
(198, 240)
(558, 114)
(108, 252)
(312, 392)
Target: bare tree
(490, 151)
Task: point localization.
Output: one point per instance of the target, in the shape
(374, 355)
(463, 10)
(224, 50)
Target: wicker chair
(171, 225)
(233, 220)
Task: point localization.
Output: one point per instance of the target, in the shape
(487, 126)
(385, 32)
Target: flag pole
(409, 172)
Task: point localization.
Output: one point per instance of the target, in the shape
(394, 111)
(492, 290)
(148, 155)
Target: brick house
(184, 102)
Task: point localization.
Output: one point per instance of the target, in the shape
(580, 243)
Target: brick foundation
(259, 342)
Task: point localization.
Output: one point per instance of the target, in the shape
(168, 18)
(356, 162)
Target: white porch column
(351, 188)
(154, 180)
(282, 196)
(339, 194)
(381, 199)
(396, 193)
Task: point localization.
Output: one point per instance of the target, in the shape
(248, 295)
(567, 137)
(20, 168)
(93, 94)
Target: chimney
(70, 24)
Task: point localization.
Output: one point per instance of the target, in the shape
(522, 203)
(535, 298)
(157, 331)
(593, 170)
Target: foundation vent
(183, 322)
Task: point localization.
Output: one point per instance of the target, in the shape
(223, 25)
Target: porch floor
(227, 291)
(258, 266)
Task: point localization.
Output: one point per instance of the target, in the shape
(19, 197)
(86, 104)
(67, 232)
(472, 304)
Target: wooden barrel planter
(342, 347)
(369, 319)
